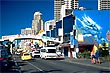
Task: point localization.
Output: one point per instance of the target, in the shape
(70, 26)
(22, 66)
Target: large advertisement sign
(94, 22)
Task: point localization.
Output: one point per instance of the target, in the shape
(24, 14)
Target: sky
(89, 4)
(18, 14)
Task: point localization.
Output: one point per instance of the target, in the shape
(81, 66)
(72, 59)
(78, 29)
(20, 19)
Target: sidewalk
(87, 62)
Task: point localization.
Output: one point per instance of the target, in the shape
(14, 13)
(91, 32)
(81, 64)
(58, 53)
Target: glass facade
(58, 25)
(68, 23)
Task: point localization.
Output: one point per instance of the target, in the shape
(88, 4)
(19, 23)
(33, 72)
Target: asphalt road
(12, 68)
(38, 65)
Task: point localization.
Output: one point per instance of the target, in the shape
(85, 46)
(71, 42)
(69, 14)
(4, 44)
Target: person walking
(93, 58)
(97, 54)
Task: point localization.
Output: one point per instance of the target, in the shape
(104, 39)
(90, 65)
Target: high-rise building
(68, 4)
(57, 8)
(103, 4)
(27, 31)
(49, 25)
(71, 4)
(37, 22)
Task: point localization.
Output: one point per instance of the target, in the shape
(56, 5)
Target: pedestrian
(97, 54)
(93, 58)
(74, 54)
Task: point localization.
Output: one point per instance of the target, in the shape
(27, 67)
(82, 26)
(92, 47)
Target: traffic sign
(108, 35)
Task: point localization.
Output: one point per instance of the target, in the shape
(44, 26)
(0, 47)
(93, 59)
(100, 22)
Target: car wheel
(45, 58)
(41, 57)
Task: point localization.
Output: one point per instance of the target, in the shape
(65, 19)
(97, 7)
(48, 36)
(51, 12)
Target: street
(55, 36)
(38, 65)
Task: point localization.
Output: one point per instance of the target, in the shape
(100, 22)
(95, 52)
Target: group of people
(95, 54)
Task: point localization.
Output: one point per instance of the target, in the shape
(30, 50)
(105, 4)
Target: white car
(36, 54)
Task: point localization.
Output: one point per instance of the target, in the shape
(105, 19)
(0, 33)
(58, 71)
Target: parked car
(4, 58)
(26, 56)
(36, 54)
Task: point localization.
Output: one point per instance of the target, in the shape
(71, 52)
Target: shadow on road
(105, 71)
(50, 71)
(21, 63)
(90, 71)
(55, 59)
(11, 68)
(10, 71)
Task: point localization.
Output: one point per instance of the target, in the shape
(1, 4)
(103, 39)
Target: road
(38, 65)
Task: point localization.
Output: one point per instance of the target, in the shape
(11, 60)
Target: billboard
(93, 22)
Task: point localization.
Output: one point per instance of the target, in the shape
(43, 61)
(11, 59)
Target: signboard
(60, 32)
(108, 35)
(71, 40)
(80, 38)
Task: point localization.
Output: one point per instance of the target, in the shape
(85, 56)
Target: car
(36, 54)
(26, 56)
(48, 52)
(3, 58)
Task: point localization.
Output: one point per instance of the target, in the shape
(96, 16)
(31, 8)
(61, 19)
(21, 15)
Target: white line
(35, 66)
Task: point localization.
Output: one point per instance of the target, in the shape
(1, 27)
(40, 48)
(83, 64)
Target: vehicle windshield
(51, 51)
(26, 54)
(2, 47)
(4, 54)
(51, 45)
(37, 52)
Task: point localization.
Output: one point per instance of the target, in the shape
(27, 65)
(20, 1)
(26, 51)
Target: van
(48, 52)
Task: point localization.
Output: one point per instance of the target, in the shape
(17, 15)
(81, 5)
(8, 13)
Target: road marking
(35, 67)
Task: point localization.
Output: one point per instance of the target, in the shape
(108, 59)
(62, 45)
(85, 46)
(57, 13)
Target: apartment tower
(27, 31)
(37, 22)
(69, 4)
(103, 4)
(57, 8)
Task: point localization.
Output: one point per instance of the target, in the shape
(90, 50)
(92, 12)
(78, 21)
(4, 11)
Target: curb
(101, 67)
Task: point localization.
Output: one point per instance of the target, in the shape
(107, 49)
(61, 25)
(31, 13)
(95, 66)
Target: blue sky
(89, 4)
(18, 14)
